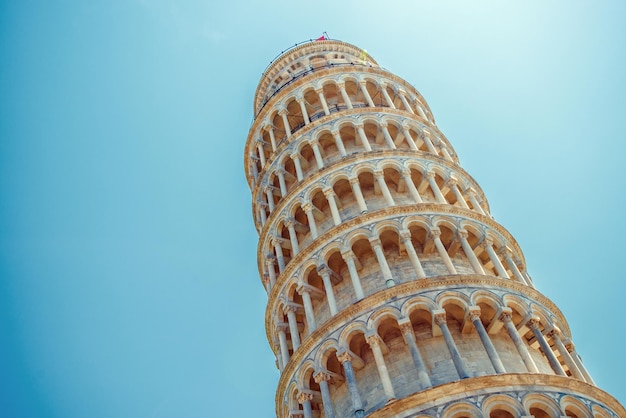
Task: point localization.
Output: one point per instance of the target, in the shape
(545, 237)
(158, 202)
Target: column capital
(383, 124)
(533, 323)
(473, 313)
(322, 376)
(347, 254)
(313, 141)
(406, 171)
(435, 232)
(358, 125)
(305, 397)
(354, 180)
(405, 325)
(307, 206)
(270, 260)
(555, 332)
(302, 288)
(344, 356)
(375, 242)
(430, 174)
(439, 316)
(282, 327)
(289, 308)
(294, 155)
(328, 191)
(299, 96)
(506, 314)
(405, 234)
(504, 251)
(569, 345)
(462, 233)
(373, 340)
(323, 269)
(378, 173)
(290, 222)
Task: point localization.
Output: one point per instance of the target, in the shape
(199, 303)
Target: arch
(461, 410)
(541, 406)
(382, 314)
(574, 408)
(498, 406)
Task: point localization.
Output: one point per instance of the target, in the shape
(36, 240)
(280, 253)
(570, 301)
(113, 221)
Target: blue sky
(128, 282)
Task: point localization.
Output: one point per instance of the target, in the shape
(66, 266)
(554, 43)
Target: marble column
(308, 209)
(315, 145)
(388, 139)
(330, 196)
(293, 326)
(344, 95)
(356, 189)
(380, 179)
(374, 342)
(439, 317)
(308, 306)
(522, 349)
(430, 177)
(320, 95)
(408, 180)
(364, 141)
(339, 143)
(492, 353)
(293, 238)
(383, 89)
(495, 259)
(533, 324)
(323, 379)
(296, 162)
(305, 115)
(555, 334)
(409, 337)
(366, 94)
(405, 235)
(305, 399)
(349, 257)
(282, 340)
(357, 404)
(382, 261)
(469, 252)
(283, 114)
(325, 272)
(441, 249)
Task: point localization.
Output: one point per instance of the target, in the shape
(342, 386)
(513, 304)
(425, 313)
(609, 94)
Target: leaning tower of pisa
(392, 292)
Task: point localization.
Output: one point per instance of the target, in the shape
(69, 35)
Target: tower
(392, 292)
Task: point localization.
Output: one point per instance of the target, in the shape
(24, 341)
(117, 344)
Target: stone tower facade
(392, 292)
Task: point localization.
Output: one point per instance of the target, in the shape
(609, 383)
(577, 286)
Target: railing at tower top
(326, 38)
(303, 73)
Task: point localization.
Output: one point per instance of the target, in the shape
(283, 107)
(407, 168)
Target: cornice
(492, 384)
(352, 159)
(417, 209)
(404, 290)
(268, 107)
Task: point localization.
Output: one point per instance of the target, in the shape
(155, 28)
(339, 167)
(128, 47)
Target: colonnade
(362, 132)
(346, 361)
(357, 189)
(366, 262)
(347, 194)
(329, 94)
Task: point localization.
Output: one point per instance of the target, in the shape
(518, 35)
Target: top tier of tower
(305, 59)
